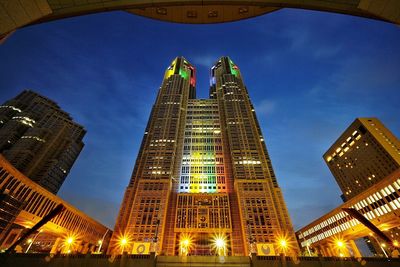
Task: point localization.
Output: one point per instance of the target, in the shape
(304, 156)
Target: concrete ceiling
(19, 13)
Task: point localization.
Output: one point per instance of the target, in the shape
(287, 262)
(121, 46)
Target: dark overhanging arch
(15, 14)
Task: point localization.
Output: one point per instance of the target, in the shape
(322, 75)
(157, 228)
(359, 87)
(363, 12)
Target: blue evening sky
(309, 74)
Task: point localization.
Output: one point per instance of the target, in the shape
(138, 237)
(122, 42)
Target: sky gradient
(309, 75)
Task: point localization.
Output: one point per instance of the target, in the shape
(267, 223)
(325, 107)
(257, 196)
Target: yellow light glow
(339, 245)
(123, 243)
(383, 245)
(70, 242)
(395, 243)
(30, 240)
(283, 243)
(219, 244)
(99, 242)
(186, 243)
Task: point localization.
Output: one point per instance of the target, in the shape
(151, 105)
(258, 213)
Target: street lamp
(220, 244)
(308, 248)
(283, 245)
(69, 242)
(30, 241)
(185, 244)
(122, 243)
(380, 245)
(340, 244)
(100, 242)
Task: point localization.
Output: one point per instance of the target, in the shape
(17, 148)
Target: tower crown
(183, 68)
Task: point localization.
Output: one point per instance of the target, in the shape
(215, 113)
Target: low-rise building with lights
(334, 233)
(25, 203)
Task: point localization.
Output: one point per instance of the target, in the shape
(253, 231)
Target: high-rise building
(39, 139)
(203, 182)
(364, 154)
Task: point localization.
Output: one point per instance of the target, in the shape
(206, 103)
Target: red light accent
(193, 76)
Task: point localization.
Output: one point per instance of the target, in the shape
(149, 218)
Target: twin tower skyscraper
(203, 182)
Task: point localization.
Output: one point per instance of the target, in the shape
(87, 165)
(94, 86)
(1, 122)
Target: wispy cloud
(265, 107)
(204, 60)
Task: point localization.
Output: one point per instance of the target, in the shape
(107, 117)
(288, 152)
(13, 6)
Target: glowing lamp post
(340, 245)
(220, 246)
(283, 244)
(123, 243)
(308, 248)
(30, 241)
(69, 242)
(185, 244)
(100, 244)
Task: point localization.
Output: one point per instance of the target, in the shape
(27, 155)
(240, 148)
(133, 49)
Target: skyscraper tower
(363, 155)
(203, 182)
(39, 139)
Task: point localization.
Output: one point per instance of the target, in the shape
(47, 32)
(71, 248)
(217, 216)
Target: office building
(39, 139)
(363, 155)
(203, 182)
(365, 161)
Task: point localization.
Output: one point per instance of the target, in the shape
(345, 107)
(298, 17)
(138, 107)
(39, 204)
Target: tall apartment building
(363, 155)
(203, 182)
(39, 139)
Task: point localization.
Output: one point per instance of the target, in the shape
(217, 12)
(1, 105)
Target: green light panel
(234, 68)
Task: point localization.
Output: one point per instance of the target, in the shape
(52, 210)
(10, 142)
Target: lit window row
(25, 120)
(248, 162)
(33, 137)
(163, 140)
(377, 207)
(11, 107)
(170, 103)
(350, 141)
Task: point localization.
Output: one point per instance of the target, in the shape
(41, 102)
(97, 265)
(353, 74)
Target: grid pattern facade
(203, 170)
(364, 154)
(37, 202)
(379, 204)
(39, 139)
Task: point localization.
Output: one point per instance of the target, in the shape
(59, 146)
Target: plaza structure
(365, 161)
(203, 182)
(39, 139)
(23, 203)
(15, 14)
